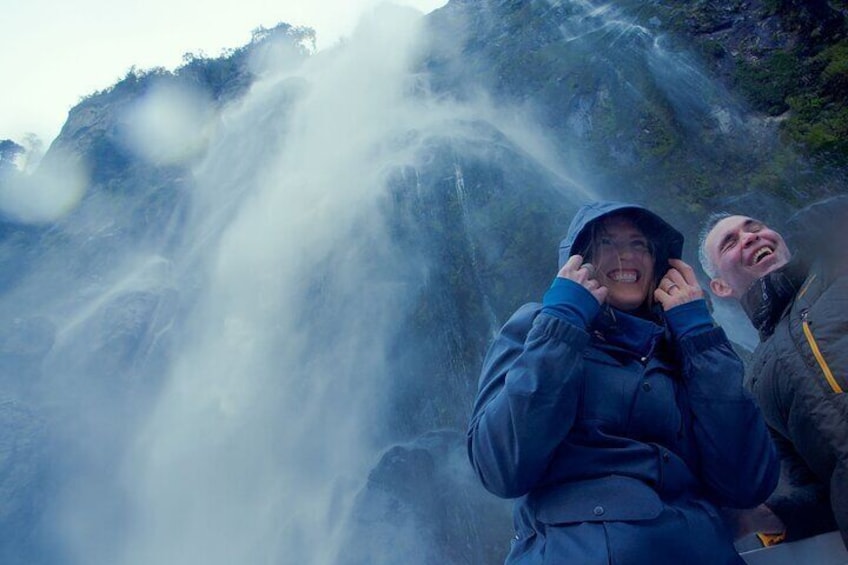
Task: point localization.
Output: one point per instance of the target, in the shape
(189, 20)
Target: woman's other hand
(678, 286)
(584, 275)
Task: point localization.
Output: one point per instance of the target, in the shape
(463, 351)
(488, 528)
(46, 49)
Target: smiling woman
(623, 262)
(599, 408)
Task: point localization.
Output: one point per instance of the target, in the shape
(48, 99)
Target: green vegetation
(794, 67)
(768, 83)
(813, 89)
(819, 118)
(225, 76)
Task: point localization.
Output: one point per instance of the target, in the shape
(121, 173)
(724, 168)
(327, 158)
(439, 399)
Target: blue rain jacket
(619, 440)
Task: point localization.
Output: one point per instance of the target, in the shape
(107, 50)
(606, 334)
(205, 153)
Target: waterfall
(462, 198)
(224, 356)
(263, 430)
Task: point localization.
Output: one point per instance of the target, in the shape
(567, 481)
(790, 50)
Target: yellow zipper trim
(820, 358)
(806, 287)
(769, 540)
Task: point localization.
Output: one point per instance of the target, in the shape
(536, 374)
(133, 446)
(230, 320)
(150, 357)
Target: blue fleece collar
(629, 332)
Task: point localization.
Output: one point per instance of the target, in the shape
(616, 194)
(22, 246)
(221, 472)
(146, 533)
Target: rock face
(749, 31)
(660, 92)
(24, 460)
(422, 500)
(165, 355)
(785, 58)
(9, 150)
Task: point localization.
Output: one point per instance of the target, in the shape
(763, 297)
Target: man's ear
(720, 288)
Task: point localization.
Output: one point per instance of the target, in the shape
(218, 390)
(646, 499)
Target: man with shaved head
(795, 292)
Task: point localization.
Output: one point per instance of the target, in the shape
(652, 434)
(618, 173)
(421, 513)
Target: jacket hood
(667, 241)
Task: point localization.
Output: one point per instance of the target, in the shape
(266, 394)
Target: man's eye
(755, 227)
(728, 245)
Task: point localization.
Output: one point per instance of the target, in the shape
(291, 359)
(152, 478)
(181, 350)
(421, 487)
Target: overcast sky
(54, 53)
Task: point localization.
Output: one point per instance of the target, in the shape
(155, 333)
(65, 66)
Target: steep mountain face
(662, 92)
(251, 331)
(786, 59)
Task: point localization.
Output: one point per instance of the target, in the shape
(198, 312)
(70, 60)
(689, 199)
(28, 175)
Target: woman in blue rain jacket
(614, 411)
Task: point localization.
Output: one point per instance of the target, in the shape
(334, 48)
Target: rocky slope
(522, 109)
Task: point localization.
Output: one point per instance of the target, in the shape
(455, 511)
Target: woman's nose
(624, 250)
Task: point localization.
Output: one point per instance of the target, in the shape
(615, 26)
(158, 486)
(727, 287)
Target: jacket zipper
(811, 340)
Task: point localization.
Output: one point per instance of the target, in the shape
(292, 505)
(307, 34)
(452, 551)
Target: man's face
(743, 250)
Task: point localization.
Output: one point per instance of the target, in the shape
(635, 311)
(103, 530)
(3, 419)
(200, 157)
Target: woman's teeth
(624, 276)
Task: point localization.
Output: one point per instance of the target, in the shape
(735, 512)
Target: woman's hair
(596, 229)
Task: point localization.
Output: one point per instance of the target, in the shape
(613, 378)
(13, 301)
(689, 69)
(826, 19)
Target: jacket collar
(768, 297)
(633, 333)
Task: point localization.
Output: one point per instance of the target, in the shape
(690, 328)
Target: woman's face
(624, 262)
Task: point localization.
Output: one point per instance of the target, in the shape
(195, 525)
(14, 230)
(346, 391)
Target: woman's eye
(639, 245)
(605, 241)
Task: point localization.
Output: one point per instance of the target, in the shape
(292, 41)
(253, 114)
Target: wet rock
(423, 500)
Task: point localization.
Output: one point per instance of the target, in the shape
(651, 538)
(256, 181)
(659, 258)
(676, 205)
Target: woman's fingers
(600, 293)
(570, 266)
(673, 282)
(676, 277)
(576, 270)
(685, 270)
(583, 274)
(678, 286)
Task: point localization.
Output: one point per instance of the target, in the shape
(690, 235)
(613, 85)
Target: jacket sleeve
(801, 501)
(737, 459)
(527, 401)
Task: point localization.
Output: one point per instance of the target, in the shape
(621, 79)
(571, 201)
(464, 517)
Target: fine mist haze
(218, 388)
(264, 428)
(245, 304)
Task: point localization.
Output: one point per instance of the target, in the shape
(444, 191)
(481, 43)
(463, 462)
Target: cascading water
(257, 360)
(269, 354)
(462, 199)
(264, 429)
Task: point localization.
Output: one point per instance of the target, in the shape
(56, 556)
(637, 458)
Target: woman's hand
(678, 286)
(583, 274)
